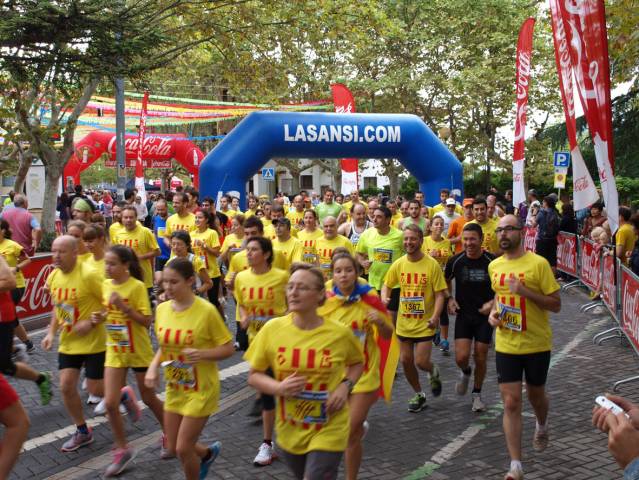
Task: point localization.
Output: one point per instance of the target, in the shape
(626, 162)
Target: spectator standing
(547, 222)
(24, 226)
(568, 221)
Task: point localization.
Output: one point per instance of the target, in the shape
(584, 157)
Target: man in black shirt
(472, 303)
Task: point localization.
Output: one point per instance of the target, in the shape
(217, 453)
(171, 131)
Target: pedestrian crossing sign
(268, 174)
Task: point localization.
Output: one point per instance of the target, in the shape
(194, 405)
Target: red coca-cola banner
(630, 306)
(165, 147)
(590, 271)
(530, 238)
(609, 284)
(36, 301)
(567, 253)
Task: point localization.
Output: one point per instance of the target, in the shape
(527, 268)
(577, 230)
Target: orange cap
(467, 201)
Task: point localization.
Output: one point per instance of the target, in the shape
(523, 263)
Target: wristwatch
(349, 383)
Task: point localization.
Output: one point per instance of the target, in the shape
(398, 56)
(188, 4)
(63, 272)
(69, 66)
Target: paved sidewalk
(446, 441)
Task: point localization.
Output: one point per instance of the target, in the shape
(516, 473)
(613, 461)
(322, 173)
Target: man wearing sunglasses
(525, 291)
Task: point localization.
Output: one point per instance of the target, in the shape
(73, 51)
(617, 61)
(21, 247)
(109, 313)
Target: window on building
(370, 182)
(286, 185)
(306, 182)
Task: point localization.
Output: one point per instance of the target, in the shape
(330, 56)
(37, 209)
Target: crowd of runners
(329, 297)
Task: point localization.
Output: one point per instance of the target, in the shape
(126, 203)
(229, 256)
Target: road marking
(446, 453)
(237, 369)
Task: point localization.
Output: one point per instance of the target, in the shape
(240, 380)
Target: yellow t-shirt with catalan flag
(308, 241)
(176, 222)
(354, 316)
(269, 230)
(321, 356)
(11, 252)
(262, 296)
(75, 296)
(98, 266)
(440, 251)
(395, 219)
(198, 264)
(325, 249)
(297, 219)
(142, 241)
(128, 342)
(210, 238)
(192, 390)
(114, 229)
(233, 244)
(490, 242)
(525, 327)
(291, 250)
(240, 262)
(418, 282)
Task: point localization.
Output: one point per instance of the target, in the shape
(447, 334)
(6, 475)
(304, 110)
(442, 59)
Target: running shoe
(205, 465)
(45, 389)
(540, 441)
(121, 458)
(461, 387)
(437, 338)
(265, 455)
(100, 408)
(130, 402)
(256, 408)
(20, 354)
(77, 440)
(435, 382)
(445, 347)
(478, 404)
(514, 474)
(165, 454)
(30, 347)
(417, 403)
(92, 399)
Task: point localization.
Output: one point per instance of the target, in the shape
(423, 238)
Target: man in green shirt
(328, 208)
(378, 248)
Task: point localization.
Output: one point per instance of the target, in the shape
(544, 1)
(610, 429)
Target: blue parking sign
(562, 159)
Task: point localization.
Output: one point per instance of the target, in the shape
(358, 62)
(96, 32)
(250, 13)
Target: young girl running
(206, 245)
(192, 339)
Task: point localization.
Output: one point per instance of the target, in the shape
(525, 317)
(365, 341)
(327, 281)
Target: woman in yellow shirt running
(192, 338)
(358, 307)
(206, 245)
(308, 237)
(94, 237)
(316, 363)
(127, 317)
(181, 248)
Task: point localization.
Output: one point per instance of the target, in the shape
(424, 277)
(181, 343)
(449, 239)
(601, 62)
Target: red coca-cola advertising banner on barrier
(590, 271)
(36, 301)
(530, 238)
(630, 306)
(567, 253)
(609, 284)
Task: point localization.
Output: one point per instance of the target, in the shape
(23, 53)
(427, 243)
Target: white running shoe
(461, 387)
(265, 455)
(100, 408)
(93, 399)
(478, 404)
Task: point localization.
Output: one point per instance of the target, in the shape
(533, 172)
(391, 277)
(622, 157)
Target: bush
(46, 242)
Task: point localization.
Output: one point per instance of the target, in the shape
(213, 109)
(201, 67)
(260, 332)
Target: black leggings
(7, 366)
(214, 294)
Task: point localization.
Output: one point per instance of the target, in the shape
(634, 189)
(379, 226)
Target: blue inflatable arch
(264, 135)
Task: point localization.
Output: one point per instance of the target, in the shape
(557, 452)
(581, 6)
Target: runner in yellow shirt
(206, 245)
(296, 213)
(181, 248)
(488, 225)
(440, 249)
(233, 243)
(284, 244)
(76, 228)
(192, 338)
(316, 362)
(127, 317)
(182, 219)
(328, 242)
(94, 238)
(260, 294)
(360, 308)
(421, 300)
(525, 290)
(116, 226)
(308, 237)
(76, 293)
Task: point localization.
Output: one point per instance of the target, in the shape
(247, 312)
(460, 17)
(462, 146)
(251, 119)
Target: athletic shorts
(416, 339)
(8, 395)
(477, 329)
(16, 295)
(93, 363)
(512, 368)
(315, 465)
(393, 304)
(213, 294)
(7, 366)
(443, 318)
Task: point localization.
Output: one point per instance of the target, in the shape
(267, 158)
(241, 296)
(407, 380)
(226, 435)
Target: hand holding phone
(609, 405)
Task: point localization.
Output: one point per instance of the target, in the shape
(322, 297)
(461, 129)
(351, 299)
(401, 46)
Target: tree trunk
(393, 178)
(52, 174)
(25, 162)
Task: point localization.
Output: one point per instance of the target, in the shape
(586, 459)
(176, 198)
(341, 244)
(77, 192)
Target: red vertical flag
(586, 34)
(524, 56)
(139, 167)
(345, 103)
(584, 191)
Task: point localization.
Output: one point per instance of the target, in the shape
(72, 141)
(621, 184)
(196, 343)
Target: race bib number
(118, 335)
(412, 305)
(161, 231)
(510, 317)
(179, 373)
(65, 313)
(307, 407)
(309, 257)
(383, 255)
